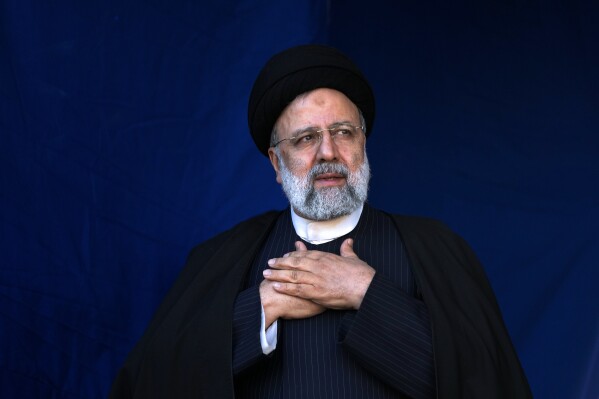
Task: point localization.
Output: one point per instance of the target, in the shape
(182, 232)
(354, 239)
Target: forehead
(320, 107)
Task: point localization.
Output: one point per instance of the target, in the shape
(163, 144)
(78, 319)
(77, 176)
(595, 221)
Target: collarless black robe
(186, 351)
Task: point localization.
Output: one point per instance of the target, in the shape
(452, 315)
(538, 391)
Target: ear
(274, 160)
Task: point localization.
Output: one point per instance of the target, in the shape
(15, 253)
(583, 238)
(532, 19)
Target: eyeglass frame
(320, 131)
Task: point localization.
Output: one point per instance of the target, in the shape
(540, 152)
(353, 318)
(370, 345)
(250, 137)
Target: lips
(329, 176)
(325, 180)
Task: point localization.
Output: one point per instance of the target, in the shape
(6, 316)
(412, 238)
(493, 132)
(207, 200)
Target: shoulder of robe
(443, 255)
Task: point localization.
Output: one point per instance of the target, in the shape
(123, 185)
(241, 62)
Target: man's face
(329, 179)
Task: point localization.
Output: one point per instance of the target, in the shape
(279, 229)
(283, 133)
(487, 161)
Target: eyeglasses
(342, 134)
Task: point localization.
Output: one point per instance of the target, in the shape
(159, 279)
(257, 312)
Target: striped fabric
(383, 350)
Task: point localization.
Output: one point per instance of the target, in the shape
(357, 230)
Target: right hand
(277, 305)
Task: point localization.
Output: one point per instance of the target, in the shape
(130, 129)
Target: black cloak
(186, 352)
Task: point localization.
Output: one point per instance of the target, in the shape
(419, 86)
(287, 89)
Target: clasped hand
(308, 282)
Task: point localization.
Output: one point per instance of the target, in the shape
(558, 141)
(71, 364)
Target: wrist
(364, 288)
(268, 305)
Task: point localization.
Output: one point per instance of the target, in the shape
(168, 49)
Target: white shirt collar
(319, 232)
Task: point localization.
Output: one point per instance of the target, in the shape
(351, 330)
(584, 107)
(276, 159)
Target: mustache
(328, 167)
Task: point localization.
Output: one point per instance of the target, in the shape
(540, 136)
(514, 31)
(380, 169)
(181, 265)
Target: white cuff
(268, 338)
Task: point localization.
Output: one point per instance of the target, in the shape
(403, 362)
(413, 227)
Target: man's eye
(343, 131)
(306, 138)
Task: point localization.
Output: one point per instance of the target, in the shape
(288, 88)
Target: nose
(327, 150)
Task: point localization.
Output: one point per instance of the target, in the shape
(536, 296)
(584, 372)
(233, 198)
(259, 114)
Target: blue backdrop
(123, 143)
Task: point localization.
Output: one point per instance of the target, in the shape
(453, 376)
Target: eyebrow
(309, 128)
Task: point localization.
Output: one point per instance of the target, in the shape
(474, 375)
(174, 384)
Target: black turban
(298, 70)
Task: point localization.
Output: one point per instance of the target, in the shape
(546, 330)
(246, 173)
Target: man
(330, 298)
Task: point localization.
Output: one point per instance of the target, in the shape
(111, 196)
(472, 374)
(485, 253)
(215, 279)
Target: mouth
(329, 180)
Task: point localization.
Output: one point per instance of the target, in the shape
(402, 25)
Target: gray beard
(329, 202)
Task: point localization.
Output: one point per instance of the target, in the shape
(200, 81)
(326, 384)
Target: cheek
(297, 166)
(355, 160)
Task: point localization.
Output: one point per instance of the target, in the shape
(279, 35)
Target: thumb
(300, 246)
(347, 249)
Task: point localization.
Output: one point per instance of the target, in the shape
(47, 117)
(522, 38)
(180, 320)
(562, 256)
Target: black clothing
(299, 70)
(186, 352)
(388, 353)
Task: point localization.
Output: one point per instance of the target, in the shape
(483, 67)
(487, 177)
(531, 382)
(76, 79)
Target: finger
(296, 290)
(288, 276)
(284, 263)
(302, 260)
(347, 249)
(300, 246)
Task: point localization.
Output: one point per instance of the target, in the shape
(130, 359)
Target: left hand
(333, 281)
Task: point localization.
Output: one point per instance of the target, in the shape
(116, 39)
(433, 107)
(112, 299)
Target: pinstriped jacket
(180, 357)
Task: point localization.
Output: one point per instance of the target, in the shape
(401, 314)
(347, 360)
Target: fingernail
(266, 272)
(277, 285)
(286, 255)
(271, 262)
